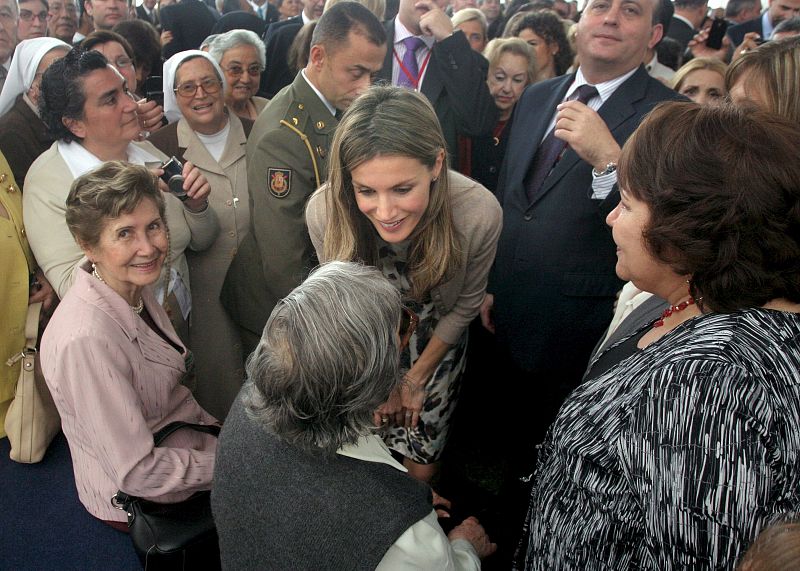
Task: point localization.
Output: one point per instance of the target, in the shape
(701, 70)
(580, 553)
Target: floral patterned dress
(425, 443)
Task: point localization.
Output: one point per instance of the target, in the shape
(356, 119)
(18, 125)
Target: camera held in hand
(173, 176)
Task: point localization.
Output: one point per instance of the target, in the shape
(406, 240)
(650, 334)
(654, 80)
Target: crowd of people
(309, 223)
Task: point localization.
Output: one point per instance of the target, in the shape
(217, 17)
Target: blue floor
(44, 526)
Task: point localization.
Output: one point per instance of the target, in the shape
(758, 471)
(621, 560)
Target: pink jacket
(115, 382)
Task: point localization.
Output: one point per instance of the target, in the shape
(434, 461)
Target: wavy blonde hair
(390, 121)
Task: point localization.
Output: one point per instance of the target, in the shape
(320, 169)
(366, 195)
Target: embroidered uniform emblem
(280, 182)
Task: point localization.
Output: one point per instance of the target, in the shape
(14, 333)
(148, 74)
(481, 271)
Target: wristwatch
(610, 167)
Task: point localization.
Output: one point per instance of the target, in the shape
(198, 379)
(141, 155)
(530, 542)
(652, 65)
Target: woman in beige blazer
(203, 131)
(85, 102)
(391, 202)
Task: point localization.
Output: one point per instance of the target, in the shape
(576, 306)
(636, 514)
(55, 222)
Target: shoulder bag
(173, 536)
(32, 420)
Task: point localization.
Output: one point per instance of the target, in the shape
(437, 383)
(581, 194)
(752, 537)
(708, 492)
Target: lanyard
(414, 80)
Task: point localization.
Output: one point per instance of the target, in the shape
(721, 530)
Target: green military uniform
(287, 154)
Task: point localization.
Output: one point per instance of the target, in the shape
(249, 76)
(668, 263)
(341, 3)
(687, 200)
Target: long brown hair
(390, 121)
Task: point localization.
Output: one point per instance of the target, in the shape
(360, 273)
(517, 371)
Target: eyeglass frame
(41, 16)
(230, 69)
(210, 81)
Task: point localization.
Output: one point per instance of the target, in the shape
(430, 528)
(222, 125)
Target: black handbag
(173, 536)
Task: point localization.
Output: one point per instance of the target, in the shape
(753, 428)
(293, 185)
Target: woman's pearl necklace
(137, 309)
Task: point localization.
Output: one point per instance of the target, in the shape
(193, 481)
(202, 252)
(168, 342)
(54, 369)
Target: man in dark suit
(190, 22)
(278, 39)
(686, 22)
(777, 11)
(445, 69)
(553, 285)
(147, 11)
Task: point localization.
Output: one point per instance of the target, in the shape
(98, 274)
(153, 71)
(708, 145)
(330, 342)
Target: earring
(435, 179)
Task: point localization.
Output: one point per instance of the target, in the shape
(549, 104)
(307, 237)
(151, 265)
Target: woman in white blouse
(86, 103)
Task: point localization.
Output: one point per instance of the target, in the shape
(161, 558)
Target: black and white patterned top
(676, 457)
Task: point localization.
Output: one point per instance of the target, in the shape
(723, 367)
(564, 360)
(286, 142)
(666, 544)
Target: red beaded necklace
(673, 309)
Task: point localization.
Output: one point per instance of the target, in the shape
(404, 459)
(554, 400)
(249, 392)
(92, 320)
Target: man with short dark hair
(8, 36)
(651, 61)
(426, 54)
(287, 155)
(686, 22)
(277, 40)
(763, 25)
(106, 13)
(553, 284)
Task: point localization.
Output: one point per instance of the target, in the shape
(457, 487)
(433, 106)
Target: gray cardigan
(478, 219)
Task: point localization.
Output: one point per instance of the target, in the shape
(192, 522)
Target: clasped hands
(404, 405)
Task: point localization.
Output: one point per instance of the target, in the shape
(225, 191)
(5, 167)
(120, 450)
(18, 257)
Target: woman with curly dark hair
(676, 456)
(544, 31)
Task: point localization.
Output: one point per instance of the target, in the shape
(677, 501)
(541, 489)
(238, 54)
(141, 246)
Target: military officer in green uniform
(287, 155)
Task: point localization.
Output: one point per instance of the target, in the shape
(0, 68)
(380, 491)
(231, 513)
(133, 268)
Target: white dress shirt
(423, 545)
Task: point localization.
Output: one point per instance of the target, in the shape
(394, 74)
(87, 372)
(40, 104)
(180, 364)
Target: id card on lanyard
(407, 72)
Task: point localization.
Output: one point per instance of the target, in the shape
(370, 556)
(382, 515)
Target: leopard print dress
(425, 443)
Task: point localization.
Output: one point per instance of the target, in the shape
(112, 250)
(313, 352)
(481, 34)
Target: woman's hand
(412, 395)
(389, 411)
(166, 37)
(196, 186)
(150, 115)
(41, 290)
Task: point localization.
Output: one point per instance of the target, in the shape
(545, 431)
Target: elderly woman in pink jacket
(111, 358)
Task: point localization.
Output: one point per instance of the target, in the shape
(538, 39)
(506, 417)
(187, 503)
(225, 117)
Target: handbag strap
(162, 434)
(31, 335)
(32, 325)
(121, 500)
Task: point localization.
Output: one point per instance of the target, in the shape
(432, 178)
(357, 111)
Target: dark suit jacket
(647, 312)
(142, 15)
(190, 22)
(554, 281)
(23, 137)
(681, 32)
(455, 84)
(239, 20)
(278, 39)
(736, 33)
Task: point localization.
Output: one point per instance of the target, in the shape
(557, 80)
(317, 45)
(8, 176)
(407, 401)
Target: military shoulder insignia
(280, 182)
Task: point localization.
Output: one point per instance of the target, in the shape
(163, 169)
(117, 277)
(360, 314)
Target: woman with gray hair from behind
(300, 464)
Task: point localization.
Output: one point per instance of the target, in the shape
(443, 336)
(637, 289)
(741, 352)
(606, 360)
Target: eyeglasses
(28, 16)
(408, 324)
(121, 62)
(237, 70)
(210, 86)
